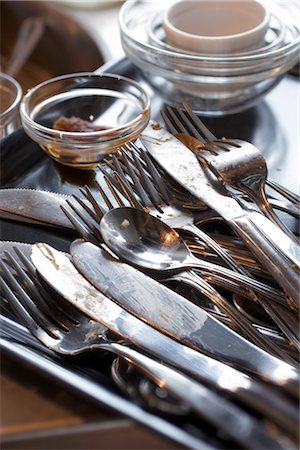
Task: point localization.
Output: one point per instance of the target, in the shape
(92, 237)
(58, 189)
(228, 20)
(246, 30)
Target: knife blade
(34, 206)
(57, 269)
(200, 399)
(173, 314)
(276, 251)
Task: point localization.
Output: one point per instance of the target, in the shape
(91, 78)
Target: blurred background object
(61, 46)
(212, 84)
(10, 98)
(89, 3)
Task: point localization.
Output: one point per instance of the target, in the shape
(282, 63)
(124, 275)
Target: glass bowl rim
(18, 97)
(163, 45)
(59, 135)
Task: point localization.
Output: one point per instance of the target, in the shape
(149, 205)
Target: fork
(90, 231)
(86, 227)
(238, 163)
(148, 197)
(66, 331)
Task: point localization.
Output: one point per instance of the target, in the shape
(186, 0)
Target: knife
(34, 206)
(57, 269)
(202, 400)
(276, 251)
(176, 316)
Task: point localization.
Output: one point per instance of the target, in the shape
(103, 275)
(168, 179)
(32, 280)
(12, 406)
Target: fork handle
(291, 196)
(270, 252)
(274, 234)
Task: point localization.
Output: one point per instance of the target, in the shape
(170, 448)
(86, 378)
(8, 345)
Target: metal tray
(269, 125)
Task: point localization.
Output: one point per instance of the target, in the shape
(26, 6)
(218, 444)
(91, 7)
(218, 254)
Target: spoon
(144, 241)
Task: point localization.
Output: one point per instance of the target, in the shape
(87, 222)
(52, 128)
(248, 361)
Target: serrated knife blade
(34, 206)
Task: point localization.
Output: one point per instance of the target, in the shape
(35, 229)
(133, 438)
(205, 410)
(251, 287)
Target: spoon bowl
(143, 240)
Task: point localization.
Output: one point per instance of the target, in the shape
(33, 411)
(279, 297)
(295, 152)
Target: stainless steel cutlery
(212, 356)
(86, 335)
(275, 250)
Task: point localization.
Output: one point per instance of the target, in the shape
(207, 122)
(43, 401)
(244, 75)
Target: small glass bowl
(212, 84)
(216, 26)
(109, 110)
(10, 99)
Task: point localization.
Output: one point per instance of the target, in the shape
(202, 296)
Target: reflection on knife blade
(34, 206)
(176, 316)
(274, 249)
(61, 274)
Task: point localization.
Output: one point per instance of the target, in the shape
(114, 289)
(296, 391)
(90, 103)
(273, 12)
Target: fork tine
(125, 185)
(82, 231)
(179, 125)
(168, 123)
(197, 125)
(189, 124)
(202, 129)
(104, 197)
(90, 223)
(26, 279)
(126, 190)
(115, 189)
(22, 304)
(149, 196)
(99, 210)
(159, 181)
(153, 194)
(33, 287)
(18, 309)
(61, 313)
(90, 210)
(186, 124)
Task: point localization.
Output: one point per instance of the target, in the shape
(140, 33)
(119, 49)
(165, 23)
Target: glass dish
(212, 85)
(77, 119)
(10, 98)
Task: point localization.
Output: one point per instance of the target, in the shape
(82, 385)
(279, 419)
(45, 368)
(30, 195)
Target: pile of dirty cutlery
(184, 260)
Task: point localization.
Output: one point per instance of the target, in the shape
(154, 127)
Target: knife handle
(228, 418)
(242, 324)
(256, 395)
(288, 247)
(269, 254)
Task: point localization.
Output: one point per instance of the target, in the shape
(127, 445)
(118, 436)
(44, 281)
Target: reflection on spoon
(144, 241)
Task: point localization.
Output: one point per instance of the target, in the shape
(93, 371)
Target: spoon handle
(245, 281)
(262, 242)
(243, 325)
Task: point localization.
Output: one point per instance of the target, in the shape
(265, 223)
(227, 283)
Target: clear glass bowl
(212, 84)
(10, 98)
(77, 119)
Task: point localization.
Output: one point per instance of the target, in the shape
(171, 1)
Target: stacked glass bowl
(212, 84)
